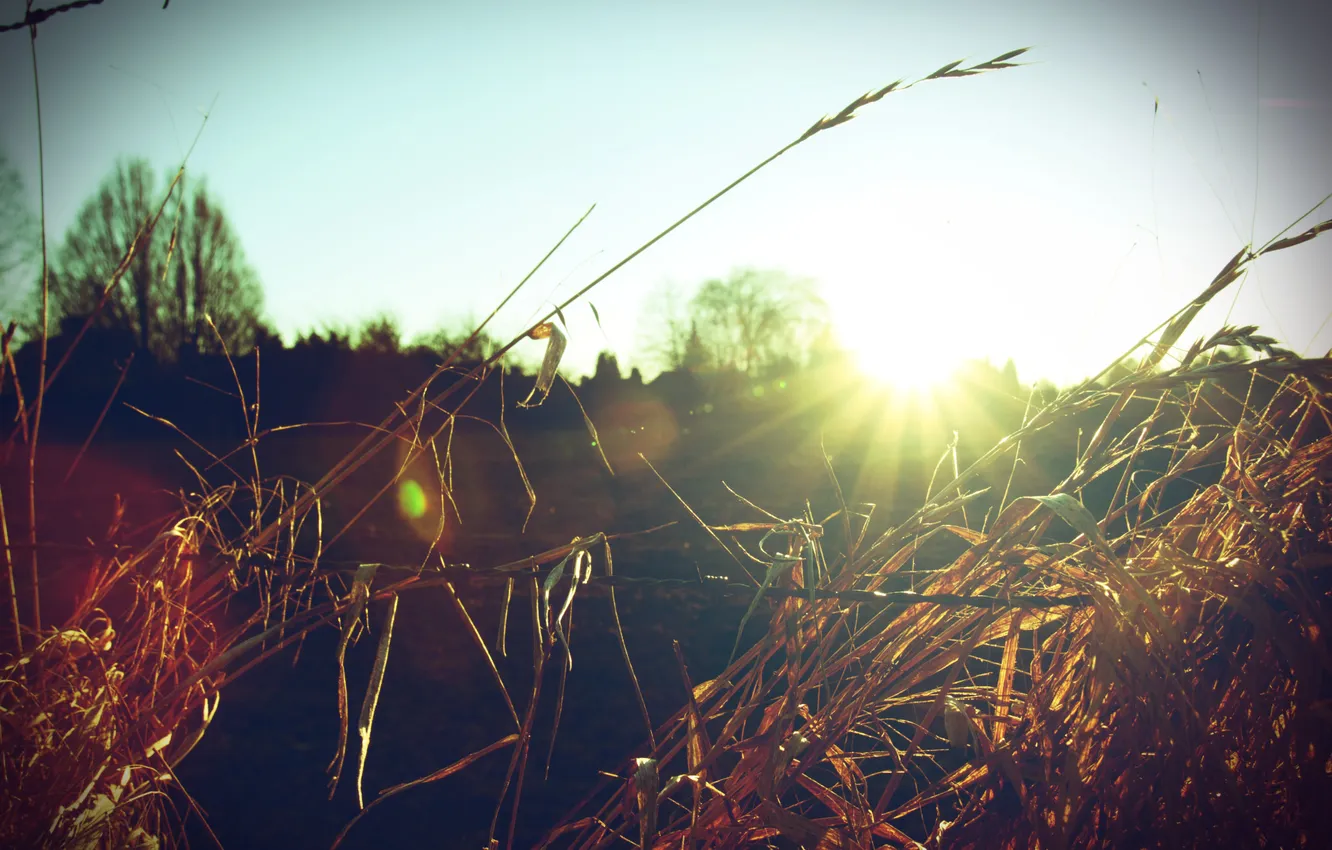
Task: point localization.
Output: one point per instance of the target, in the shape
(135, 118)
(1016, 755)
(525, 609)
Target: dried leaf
(547, 585)
(958, 725)
(372, 694)
(705, 690)
(502, 641)
(157, 746)
(359, 594)
(549, 365)
(644, 784)
(697, 742)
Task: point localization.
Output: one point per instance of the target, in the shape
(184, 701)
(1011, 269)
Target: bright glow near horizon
(420, 160)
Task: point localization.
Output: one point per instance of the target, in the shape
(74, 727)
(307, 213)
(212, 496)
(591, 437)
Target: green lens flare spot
(411, 500)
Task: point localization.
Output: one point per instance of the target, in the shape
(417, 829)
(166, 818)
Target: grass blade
(624, 651)
(442, 773)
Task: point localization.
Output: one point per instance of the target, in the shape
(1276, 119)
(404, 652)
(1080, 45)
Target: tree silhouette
(753, 321)
(444, 341)
(695, 356)
(188, 268)
(379, 334)
(212, 280)
(607, 369)
(332, 337)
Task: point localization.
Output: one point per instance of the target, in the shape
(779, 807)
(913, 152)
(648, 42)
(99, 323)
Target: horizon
(420, 162)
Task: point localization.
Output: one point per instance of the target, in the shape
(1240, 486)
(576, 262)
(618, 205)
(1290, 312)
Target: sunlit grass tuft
(1179, 698)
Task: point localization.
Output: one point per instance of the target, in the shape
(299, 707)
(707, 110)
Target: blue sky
(418, 158)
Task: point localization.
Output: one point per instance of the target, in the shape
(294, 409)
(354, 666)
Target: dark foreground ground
(259, 772)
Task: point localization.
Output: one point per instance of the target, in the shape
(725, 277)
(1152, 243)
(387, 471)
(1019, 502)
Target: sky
(418, 158)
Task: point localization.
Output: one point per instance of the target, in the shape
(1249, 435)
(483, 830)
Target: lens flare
(411, 499)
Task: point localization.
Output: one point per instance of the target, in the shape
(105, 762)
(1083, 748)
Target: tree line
(155, 264)
(155, 260)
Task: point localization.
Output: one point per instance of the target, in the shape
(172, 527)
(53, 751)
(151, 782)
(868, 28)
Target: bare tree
(188, 268)
(110, 225)
(212, 280)
(665, 329)
(755, 320)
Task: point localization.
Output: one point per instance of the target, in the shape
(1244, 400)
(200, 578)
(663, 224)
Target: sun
(914, 371)
(907, 339)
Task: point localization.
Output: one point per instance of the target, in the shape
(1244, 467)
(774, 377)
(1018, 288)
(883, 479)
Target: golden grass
(1184, 704)
(96, 716)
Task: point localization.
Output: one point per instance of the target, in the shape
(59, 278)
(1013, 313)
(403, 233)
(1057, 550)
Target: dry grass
(1184, 704)
(96, 716)
(1174, 692)
(97, 711)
